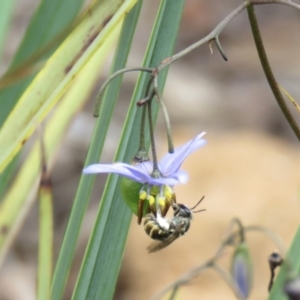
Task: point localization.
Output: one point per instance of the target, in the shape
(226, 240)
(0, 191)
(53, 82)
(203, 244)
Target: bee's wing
(159, 245)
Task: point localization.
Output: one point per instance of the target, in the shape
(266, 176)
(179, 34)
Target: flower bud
(292, 288)
(241, 269)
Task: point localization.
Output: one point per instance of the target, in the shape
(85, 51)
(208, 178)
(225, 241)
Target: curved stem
(174, 292)
(166, 116)
(272, 235)
(185, 278)
(268, 71)
(211, 36)
(241, 229)
(142, 129)
(229, 280)
(218, 44)
(142, 153)
(271, 279)
(188, 276)
(110, 78)
(151, 131)
(214, 34)
(284, 2)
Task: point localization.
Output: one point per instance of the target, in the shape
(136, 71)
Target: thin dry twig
(211, 263)
(214, 34)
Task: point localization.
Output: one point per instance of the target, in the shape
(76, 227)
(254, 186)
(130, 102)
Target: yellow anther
(151, 199)
(161, 201)
(143, 195)
(168, 190)
(169, 193)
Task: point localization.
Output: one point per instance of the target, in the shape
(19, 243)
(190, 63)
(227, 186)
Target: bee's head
(183, 211)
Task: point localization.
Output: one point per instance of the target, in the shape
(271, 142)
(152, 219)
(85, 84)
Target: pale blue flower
(241, 276)
(169, 166)
(241, 269)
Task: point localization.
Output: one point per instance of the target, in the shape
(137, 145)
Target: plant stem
(174, 292)
(214, 34)
(241, 229)
(165, 114)
(156, 171)
(45, 252)
(229, 280)
(142, 129)
(110, 78)
(268, 71)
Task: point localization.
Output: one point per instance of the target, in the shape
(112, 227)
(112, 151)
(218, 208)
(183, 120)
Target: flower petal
(169, 166)
(241, 269)
(138, 172)
(171, 162)
(145, 167)
(182, 176)
(163, 181)
(118, 168)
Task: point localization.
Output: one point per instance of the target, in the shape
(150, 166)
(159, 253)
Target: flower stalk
(212, 262)
(268, 71)
(156, 172)
(109, 79)
(165, 114)
(142, 154)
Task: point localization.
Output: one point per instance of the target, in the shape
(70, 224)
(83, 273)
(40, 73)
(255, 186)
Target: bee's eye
(184, 211)
(187, 212)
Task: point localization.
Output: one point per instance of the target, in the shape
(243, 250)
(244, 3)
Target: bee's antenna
(199, 211)
(198, 203)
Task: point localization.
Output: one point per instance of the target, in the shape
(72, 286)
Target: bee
(166, 232)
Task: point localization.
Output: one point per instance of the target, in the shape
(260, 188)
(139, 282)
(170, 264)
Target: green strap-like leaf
(104, 254)
(58, 13)
(45, 260)
(51, 18)
(59, 72)
(18, 200)
(86, 182)
(6, 9)
(293, 255)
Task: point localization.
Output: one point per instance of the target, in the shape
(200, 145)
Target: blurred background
(249, 168)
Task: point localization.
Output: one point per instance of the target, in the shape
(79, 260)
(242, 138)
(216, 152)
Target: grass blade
(6, 9)
(19, 198)
(86, 183)
(293, 255)
(59, 72)
(45, 253)
(58, 13)
(103, 256)
(51, 17)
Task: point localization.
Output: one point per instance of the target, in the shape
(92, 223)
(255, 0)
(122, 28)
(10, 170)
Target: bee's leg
(175, 208)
